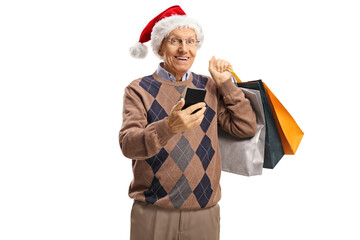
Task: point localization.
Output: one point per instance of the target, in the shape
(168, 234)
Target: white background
(63, 69)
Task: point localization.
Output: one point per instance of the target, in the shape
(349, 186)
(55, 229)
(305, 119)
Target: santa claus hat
(160, 27)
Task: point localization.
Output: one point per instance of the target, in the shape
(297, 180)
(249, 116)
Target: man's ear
(160, 52)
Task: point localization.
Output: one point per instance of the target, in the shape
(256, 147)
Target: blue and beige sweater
(182, 170)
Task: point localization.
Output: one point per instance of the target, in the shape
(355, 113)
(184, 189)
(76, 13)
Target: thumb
(179, 105)
(212, 60)
(212, 63)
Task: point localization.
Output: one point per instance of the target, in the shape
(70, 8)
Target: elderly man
(175, 154)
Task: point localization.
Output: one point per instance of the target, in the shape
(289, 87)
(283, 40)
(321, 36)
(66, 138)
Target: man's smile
(182, 58)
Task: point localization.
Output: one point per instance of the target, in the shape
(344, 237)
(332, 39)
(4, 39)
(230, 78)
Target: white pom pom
(139, 50)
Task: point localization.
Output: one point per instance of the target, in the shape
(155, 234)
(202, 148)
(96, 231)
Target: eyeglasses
(191, 42)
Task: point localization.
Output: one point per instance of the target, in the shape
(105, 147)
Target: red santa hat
(160, 27)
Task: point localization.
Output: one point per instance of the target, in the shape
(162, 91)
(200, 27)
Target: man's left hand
(217, 69)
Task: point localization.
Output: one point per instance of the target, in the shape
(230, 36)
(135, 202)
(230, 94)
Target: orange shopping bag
(290, 133)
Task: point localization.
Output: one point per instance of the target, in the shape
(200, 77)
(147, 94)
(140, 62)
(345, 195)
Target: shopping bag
(245, 156)
(273, 146)
(290, 132)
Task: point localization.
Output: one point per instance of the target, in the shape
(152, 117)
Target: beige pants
(149, 222)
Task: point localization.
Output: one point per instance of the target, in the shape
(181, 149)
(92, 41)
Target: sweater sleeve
(138, 139)
(235, 114)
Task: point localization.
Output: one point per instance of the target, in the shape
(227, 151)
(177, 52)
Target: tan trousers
(149, 222)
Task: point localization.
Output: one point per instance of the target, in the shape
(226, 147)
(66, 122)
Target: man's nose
(183, 47)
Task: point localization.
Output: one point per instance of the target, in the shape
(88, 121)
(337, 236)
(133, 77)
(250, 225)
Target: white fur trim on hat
(139, 50)
(163, 28)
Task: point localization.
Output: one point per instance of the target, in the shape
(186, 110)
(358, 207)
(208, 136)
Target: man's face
(178, 58)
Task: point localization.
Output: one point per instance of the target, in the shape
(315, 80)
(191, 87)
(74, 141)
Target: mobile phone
(193, 96)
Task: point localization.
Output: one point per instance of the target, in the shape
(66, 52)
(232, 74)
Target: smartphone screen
(193, 96)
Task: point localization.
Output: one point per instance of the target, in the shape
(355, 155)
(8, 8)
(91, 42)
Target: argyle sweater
(182, 170)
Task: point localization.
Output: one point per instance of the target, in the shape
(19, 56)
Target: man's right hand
(182, 120)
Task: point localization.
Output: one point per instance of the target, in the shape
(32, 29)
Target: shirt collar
(162, 73)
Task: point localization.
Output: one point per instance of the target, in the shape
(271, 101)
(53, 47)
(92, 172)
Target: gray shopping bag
(245, 156)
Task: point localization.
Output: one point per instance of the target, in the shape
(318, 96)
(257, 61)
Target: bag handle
(234, 74)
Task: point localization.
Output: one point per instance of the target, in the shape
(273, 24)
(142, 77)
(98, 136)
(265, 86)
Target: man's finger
(222, 65)
(179, 105)
(225, 64)
(192, 108)
(211, 62)
(197, 121)
(198, 114)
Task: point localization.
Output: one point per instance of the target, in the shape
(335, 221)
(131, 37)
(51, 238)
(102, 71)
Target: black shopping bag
(273, 147)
